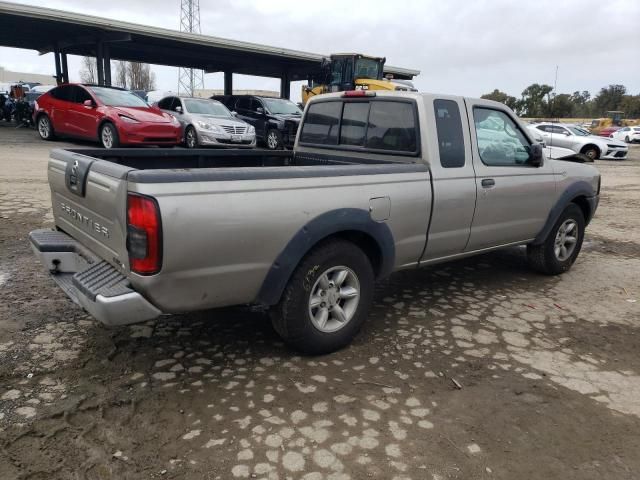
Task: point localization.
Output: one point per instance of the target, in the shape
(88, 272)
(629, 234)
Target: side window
(354, 123)
(543, 128)
(81, 95)
(244, 103)
(175, 104)
(165, 103)
(336, 72)
(450, 138)
(392, 126)
(62, 93)
(255, 104)
(556, 129)
(500, 141)
(321, 123)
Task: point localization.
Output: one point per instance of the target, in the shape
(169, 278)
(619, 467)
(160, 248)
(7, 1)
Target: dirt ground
(479, 369)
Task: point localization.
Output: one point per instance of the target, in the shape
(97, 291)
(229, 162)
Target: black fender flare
(573, 191)
(321, 227)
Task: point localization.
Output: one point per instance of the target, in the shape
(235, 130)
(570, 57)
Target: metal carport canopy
(48, 30)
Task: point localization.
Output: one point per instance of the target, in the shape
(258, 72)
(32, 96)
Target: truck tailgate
(89, 201)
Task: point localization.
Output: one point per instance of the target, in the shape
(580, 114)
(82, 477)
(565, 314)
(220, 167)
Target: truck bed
(241, 208)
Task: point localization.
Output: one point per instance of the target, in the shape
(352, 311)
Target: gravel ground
(479, 369)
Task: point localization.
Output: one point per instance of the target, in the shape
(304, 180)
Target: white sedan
(627, 134)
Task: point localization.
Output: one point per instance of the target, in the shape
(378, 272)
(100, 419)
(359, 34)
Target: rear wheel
(562, 246)
(109, 136)
(45, 129)
(326, 300)
(626, 139)
(274, 140)
(190, 137)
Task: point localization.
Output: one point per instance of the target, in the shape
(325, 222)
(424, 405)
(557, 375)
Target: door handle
(488, 182)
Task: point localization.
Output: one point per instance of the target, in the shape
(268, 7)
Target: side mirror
(234, 113)
(179, 109)
(535, 155)
(88, 103)
(260, 110)
(567, 134)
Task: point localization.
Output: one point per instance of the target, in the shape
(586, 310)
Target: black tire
(190, 137)
(291, 318)
(543, 258)
(274, 140)
(45, 127)
(626, 139)
(592, 152)
(103, 136)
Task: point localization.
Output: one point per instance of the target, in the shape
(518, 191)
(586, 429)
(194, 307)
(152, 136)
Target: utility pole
(190, 79)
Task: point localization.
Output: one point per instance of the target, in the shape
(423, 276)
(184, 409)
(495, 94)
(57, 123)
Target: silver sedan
(208, 122)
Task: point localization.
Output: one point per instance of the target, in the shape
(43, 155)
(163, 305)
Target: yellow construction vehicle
(614, 118)
(352, 71)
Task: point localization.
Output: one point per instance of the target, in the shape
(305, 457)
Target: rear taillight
(144, 234)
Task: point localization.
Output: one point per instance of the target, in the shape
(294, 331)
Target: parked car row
(117, 117)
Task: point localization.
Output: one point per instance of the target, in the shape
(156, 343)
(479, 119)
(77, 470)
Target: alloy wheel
(272, 140)
(107, 137)
(334, 299)
(566, 239)
(191, 138)
(44, 128)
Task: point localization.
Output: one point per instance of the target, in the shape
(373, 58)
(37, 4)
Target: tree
(609, 98)
(120, 78)
(581, 103)
(508, 100)
(560, 106)
(89, 70)
(630, 105)
(534, 103)
(140, 76)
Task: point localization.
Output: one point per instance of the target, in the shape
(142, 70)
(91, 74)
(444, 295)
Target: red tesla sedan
(113, 116)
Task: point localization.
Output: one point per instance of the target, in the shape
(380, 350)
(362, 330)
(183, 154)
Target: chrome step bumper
(89, 281)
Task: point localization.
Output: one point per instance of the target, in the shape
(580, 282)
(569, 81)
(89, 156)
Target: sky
(461, 47)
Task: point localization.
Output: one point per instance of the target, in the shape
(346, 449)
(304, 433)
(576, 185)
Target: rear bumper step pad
(89, 281)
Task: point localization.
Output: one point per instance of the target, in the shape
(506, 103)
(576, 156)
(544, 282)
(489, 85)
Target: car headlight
(251, 129)
(174, 120)
(208, 126)
(126, 119)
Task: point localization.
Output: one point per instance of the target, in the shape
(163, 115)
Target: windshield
(118, 98)
(368, 68)
(206, 107)
(279, 106)
(579, 131)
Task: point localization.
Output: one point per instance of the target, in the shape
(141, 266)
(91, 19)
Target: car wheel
(274, 140)
(190, 137)
(109, 136)
(626, 139)
(591, 152)
(562, 246)
(45, 129)
(326, 300)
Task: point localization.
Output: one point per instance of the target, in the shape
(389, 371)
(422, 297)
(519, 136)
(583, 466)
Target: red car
(113, 116)
(605, 132)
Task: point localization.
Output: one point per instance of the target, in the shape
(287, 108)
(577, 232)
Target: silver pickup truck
(377, 182)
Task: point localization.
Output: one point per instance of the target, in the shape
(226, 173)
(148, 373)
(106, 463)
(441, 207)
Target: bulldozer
(352, 71)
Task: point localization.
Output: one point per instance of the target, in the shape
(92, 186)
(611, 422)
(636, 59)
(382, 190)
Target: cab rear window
(373, 125)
